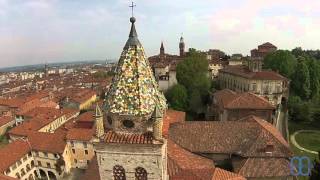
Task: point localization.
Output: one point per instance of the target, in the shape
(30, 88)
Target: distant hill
(36, 67)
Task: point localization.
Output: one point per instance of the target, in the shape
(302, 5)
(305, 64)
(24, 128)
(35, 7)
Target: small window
(141, 174)
(48, 165)
(45, 154)
(85, 151)
(119, 173)
(85, 145)
(75, 161)
(128, 124)
(39, 163)
(72, 144)
(73, 151)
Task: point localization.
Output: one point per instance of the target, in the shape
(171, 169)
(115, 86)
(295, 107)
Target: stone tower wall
(151, 157)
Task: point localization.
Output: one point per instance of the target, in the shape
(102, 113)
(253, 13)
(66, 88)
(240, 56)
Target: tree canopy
(282, 61)
(192, 73)
(177, 97)
(301, 79)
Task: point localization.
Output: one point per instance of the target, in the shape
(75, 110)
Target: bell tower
(133, 148)
(181, 46)
(162, 53)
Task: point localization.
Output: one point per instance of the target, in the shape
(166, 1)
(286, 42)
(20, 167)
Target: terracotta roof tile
(113, 137)
(48, 142)
(172, 116)
(243, 71)
(5, 120)
(12, 153)
(182, 163)
(15, 102)
(86, 117)
(80, 134)
(4, 177)
(247, 137)
(220, 174)
(265, 167)
(247, 100)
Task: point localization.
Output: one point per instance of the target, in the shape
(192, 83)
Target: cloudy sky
(38, 31)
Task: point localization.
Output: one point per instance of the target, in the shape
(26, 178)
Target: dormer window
(269, 149)
(128, 124)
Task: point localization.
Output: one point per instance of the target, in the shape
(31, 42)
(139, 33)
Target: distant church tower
(133, 149)
(46, 70)
(162, 53)
(181, 46)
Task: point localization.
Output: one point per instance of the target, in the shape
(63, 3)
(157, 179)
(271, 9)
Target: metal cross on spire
(132, 6)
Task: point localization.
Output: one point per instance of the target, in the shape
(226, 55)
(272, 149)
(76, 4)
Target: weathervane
(132, 6)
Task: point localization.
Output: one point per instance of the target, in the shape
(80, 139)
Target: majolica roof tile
(134, 90)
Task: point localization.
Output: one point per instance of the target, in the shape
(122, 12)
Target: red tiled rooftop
(243, 71)
(265, 167)
(231, 100)
(4, 177)
(112, 137)
(86, 117)
(80, 134)
(221, 174)
(5, 120)
(172, 116)
(182, 163)
(48, 142)
(14, 103)
(11, 153)
(27, 127)
(247, 137)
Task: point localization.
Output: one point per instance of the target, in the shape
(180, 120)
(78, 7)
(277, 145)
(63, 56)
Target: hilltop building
(228, 105)
(164, 66)
(264, 83)
(263, 50)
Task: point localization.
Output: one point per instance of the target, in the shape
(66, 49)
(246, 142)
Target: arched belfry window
(119, 173)
(141, 174)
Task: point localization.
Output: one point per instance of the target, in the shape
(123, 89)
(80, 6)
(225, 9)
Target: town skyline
(36, 32)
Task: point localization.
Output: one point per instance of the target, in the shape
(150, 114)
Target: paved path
(294, 142)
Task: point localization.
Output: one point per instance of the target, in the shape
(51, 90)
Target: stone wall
(151, 157)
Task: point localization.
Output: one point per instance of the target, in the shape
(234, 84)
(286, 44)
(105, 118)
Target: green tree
(315, 172)
(301, 79)
(195, 102)
(297, 52)
(282, 61)
(298, 109)
(192, 73)
(314, 73)
(177, 97)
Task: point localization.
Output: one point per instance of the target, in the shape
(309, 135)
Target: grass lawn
(306, 140)
(309, 140)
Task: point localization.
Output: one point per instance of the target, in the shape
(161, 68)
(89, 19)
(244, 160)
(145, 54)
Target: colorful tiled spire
(134, 90)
